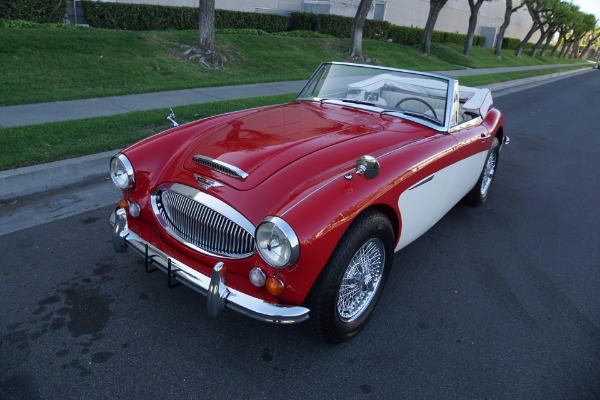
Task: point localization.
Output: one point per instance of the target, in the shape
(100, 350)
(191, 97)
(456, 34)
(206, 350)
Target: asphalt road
(496, 302)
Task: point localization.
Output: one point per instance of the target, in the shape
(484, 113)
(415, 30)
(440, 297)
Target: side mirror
(367, 166)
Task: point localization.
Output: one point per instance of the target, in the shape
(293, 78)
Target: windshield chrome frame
(452, 96)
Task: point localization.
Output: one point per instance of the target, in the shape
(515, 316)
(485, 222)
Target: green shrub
(143, 17)
(334, 25)
(243, 20)
(139, 17)
(405, 35)
(337, 26)
(376, 29)
(303, 22)
(41, 11)
(510, 43)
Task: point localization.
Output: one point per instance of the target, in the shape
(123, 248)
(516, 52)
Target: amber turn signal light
(275, 286)
(124, 204)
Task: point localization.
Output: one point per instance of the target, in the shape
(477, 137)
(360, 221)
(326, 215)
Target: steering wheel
(418, 101)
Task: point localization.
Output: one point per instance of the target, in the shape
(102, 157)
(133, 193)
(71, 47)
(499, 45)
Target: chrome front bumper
(219, 296)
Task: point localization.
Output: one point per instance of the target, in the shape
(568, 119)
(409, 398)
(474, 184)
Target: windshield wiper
(352, 101)
(413, 114)
(366, 103)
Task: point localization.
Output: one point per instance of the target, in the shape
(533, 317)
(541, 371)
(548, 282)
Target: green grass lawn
(35, 144)
(41, 65)
(22, 146)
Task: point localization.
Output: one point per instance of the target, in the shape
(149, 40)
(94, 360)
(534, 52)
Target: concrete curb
(496, 87)
(28, 181)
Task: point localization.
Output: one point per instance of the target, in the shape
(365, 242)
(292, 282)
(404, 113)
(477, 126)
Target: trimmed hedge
(510, 43)
(412, 36)
(40, 11)
(245, 20)
(144, 17)
(337, 26)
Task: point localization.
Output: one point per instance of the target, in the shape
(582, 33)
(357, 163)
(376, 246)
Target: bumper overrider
(219, 295)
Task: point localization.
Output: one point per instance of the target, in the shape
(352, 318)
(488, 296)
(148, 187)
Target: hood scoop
(220, 166)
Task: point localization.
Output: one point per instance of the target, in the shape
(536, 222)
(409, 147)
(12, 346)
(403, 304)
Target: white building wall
(454, 17)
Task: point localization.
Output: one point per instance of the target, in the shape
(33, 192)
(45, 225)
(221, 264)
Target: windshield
(410, 95)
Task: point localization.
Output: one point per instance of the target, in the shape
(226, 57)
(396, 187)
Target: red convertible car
(296, 210)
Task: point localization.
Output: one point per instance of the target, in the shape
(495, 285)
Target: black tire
(481, 191)
(339, 316)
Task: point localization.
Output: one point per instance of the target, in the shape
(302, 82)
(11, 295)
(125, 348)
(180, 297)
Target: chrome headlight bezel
(275, 230)
(121, 172)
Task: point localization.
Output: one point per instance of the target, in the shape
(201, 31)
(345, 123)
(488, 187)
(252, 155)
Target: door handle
(485, 136)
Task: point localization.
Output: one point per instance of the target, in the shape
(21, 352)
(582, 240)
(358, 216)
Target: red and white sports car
(296, 210)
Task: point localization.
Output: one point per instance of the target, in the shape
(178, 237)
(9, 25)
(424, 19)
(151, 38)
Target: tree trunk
(547, 44)
(565, 49)
(205, 51)
(543, 37)
(355, 50)
(206, 26)
(500, 38)
(474, 6)
(586, 51)
(435, 6)
(575, 51)
(561, 38)
(524, 42)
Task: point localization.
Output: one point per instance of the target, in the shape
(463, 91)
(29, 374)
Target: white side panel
(428, 201)
(465, 176)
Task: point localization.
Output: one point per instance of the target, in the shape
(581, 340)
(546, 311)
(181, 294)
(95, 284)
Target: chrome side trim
(219, 295)
(467, 124)
(220, 166)
(424, 181)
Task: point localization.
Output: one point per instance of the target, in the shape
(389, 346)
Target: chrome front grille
(203, 222)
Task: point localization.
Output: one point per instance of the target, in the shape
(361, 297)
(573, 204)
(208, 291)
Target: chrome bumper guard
(219, 296)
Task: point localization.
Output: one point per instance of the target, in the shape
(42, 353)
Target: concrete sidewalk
(40, 113)
(28, 181)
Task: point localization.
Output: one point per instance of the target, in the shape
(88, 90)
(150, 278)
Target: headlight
(121, 172)
(277, 243)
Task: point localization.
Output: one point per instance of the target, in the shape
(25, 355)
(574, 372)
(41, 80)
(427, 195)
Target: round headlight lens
(277, 243)
(121, 172)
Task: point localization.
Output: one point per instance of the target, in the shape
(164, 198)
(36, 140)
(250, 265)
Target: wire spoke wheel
(344, 296)
(361, 280)
(488, 174)
(481, 190)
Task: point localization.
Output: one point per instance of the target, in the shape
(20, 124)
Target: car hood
(254, 146)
